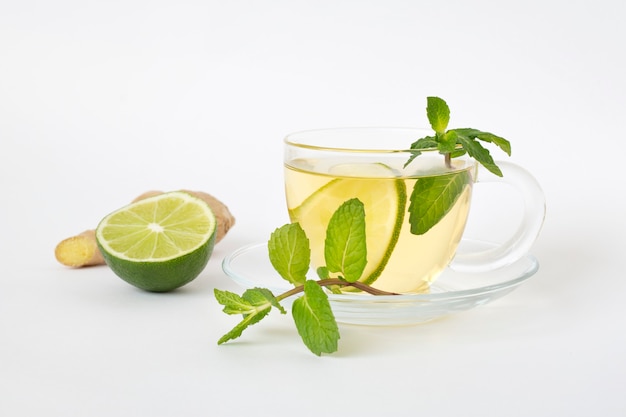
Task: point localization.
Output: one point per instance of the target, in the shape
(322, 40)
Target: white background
(102, 100)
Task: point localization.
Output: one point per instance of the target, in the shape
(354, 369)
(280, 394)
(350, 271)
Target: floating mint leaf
(289, 253)
(315, 320)
(433, 197)
(345, 248)
(438, 114)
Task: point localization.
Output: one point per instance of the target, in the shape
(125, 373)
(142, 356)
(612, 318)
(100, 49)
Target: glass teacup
(405, 254)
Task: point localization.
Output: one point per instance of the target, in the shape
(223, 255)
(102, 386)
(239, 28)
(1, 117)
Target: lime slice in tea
(384, 200)
(160, 243)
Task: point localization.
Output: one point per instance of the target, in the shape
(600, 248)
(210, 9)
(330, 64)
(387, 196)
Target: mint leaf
(289, 253)
(322, 272)
(479, 153)
(345, 249)
(247, 321)
(259, 297)
(447, 142)
(233, 303)
(428, 142)
(315, 320)
(438, 114)
(433, 197)
(254, 305)
(500, 142)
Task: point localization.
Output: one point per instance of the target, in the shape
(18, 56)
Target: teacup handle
(532, 220)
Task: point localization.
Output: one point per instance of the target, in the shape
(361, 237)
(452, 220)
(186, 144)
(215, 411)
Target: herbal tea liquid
(398, 261)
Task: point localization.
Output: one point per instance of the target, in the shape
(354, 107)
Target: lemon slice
(160, 243)
(384, 200)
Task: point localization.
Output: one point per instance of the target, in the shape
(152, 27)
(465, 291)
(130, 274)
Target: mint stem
(448, 160)
(336, 281)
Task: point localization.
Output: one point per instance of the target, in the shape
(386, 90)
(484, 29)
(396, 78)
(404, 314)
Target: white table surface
(100, 101)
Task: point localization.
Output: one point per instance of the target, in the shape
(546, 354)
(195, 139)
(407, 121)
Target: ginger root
(79, 250)
(82, 250)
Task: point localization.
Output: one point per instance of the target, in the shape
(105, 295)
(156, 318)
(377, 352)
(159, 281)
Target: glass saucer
(451, 293)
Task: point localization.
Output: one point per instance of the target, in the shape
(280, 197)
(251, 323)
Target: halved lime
(160, 243)
(384, 199)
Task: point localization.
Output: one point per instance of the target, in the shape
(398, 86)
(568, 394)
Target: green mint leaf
(254, 305)
(322, 272)
(433, 197)
(259, 297)
(499, 141)
(315, 320)
(247, 321)
(233, 303)
(252, 301)
(345, 249)
(428, 142)
(438, 114)
(289, 253)
(479, 153)
(458, 152)
(447, 142)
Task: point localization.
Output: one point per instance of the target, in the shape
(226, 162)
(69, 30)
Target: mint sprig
(456, 142)
(433, 197)
(289, 252)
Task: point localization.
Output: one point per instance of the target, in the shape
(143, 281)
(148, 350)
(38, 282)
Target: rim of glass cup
(413, 134)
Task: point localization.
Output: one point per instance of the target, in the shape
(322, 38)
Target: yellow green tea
(398, 261)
